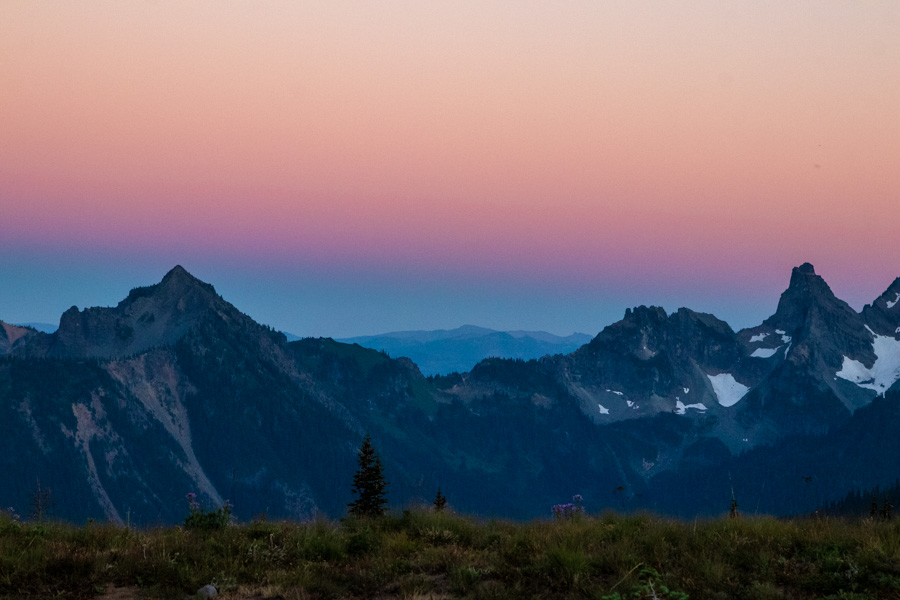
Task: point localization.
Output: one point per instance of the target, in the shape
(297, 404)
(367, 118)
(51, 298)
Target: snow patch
(686, 390)
(882, 374)
(780, 331)
(786, 339)
(786, 350)
(892, 304)
(728, 390)
(603, 410)
(629, 403)
(764, 352)
(682, 408)
(615, 392)
(758, 337)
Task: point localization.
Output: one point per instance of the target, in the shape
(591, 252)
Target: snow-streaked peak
(892, 303)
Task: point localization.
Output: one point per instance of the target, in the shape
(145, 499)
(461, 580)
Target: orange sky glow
(587, 144)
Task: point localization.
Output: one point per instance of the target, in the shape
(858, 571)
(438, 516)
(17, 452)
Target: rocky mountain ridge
(125, 409)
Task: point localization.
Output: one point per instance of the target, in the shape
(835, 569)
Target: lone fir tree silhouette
(440, 501)
(368, 484)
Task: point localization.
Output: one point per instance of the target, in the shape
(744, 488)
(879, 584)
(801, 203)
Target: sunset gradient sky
(346, 168)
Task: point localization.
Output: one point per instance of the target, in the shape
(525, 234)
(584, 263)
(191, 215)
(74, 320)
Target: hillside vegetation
(422, 554)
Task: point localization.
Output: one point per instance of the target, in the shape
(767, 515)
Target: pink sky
(600, 152)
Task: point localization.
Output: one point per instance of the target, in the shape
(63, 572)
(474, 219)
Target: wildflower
(564, 512)
(579, 503)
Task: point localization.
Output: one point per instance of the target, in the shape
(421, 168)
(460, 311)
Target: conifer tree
(368, 484)
(440, 501)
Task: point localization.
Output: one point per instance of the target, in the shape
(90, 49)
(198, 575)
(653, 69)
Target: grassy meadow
(422, 554)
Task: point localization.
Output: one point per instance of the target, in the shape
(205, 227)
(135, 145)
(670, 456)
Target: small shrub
(201, 519)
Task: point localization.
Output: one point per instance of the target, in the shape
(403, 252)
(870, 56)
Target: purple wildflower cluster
(564, 512)
(192, 501)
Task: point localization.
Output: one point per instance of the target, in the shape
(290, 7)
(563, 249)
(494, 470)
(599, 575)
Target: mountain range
(123, 410)
(445, 351)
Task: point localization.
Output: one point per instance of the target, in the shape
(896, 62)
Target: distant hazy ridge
(444, 351)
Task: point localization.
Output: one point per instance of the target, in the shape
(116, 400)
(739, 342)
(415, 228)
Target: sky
(348, 168)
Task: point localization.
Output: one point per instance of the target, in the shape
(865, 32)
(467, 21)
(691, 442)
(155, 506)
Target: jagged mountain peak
(811, 337)
(175, 285)
(686, 315)
(177, 271)
(805, 281)
(890, 299)
(806, 295)
(685, 337)
(883, 315)
(178, 276)
(638, 324)
(649, 318)
(641, 315)
(150, 316)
